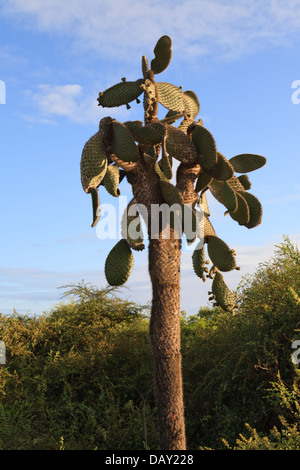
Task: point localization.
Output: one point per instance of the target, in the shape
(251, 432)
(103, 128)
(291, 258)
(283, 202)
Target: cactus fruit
(93, 164)
(119, 264)
(205, 146)
(163, 54)
(220, 254)
(123, 144)
(120, 94)
(246, 162)
(222, 294)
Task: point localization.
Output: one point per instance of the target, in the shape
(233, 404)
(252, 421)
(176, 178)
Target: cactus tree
(144, 152)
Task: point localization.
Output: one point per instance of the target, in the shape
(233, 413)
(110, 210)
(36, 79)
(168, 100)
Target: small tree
(144, 153)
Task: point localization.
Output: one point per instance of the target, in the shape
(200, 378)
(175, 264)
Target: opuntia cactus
(144, 152)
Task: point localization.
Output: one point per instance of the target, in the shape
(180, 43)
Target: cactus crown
(120, 149)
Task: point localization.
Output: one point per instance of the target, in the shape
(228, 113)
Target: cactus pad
(223, 295)
(131, 227)
(179, 146)
(255, 209)
(205, 145)
(170, 96)
(246, 162)
(111, 180)
(223, 170)
(224, 193)
(191, 104)
(151, 134)
(96, 205)
(220, 254)
(120, 94)
(198, 260)
(244, 180)
(163, 54)
(242, 213)
(93, 163)
(170, 193)
(119, 264)
(123, 144)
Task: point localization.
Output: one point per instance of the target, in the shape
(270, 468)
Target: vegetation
(80, 376)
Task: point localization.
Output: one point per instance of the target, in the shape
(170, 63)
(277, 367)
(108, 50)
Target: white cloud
(71, 101)
(64, 100)
(122, 27)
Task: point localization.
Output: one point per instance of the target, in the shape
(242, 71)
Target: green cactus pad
(145, 66)
(235, 184)
(170, 96)
(198, 260)
(202, 182)
(165, 162)
(163, 54)
(246, 162)
(244, 180)
(131, 227)
(242, 213)
(179, 145)
(119, 264)
(220, 254)
(160, 173)
(191, 104)
(255, 209)
(185, 124)
(190, 222)
(223, 295)
(208, 228)
(123, 144)
(96, 206)
(202, 203)
(120, 94)
(151, 134)
(223, 192)
(206, 147)
(223, 170)
(111, 180)
(170, 193)
(93, 164)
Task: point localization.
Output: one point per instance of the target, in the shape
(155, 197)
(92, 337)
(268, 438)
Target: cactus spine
(144, 152)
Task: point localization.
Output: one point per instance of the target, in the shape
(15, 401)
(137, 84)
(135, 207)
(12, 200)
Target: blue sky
(240, 58)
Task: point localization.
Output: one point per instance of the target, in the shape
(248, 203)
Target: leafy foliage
(80, 377)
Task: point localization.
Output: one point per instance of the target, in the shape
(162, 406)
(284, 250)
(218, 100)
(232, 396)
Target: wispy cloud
(122, 27)
(71, 101)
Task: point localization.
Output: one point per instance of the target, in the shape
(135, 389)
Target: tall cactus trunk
(164, 268)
